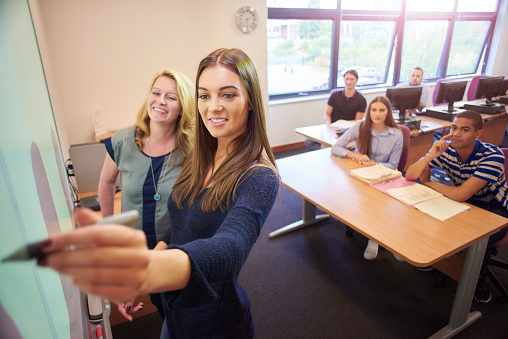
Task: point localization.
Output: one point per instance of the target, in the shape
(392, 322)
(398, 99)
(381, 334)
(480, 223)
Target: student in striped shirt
(476, 170)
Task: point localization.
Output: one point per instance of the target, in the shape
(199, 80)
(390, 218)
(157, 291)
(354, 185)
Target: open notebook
(428, 201)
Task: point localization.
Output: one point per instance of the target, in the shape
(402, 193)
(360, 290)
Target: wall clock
(246, 19)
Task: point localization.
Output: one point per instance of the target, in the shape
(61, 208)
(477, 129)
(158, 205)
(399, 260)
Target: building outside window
(311, 43)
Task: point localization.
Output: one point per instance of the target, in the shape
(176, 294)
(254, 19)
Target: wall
(101, 55)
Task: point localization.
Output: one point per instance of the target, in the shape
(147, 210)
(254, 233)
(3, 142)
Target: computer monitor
(489, 87)
(450, 92)
(403, 98)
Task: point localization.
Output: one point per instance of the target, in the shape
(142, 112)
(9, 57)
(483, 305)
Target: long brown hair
(184, 124)
(244, 152)
(364, 139)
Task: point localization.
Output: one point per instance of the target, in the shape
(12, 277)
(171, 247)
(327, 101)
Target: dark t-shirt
(346, 108)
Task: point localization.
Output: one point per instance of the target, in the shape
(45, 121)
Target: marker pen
(33, 250)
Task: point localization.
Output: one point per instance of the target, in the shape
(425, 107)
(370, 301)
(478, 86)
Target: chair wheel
(349, 230)
(439, 281)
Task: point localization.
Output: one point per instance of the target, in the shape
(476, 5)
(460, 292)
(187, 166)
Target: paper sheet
(343, 124)
(442, 208)
(414, 194)
(99, 123)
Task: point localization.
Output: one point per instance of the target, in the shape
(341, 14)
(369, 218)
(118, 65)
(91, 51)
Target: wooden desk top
(418, 238)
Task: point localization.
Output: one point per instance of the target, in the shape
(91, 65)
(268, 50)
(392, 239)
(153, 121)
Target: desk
(324, 181)
(494, 126)
(419, 145)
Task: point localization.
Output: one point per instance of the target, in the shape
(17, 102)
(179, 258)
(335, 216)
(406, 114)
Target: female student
(378, 139)
(149, 157)
(219, 204)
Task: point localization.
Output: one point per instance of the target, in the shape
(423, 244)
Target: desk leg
(460, 317)
(308, 218)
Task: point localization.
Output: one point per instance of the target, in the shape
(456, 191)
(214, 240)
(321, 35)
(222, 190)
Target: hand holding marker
(33, 250)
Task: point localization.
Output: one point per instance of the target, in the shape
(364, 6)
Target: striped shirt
(486, 162)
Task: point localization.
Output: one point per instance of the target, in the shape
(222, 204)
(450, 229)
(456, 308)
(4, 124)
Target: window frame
(399, 17)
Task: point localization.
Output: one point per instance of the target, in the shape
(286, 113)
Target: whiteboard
(34, 195)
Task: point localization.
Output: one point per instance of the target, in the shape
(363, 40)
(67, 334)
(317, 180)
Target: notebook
(375, 174)
(428, 201)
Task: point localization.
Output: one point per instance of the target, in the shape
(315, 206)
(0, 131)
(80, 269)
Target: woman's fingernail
(42, 261)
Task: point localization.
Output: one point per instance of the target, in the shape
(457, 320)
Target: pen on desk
(33, 250)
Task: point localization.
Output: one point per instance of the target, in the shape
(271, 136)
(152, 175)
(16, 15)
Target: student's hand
(367, 163)
(110, 261)
(439, 146)
(364, 160)
(128, 308)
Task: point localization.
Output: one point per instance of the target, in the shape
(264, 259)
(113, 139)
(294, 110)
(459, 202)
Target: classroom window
(365, 46)
(477, 6)
(423, 47)
(312, 42)
(393, 5)
(298, 55)
(469, 38)
(302, 3)
(430, 5)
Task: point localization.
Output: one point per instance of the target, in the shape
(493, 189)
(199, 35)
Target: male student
(415, 79)
(476, 170)
(347, 104)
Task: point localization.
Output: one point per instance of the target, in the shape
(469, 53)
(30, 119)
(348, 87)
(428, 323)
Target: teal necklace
(157, 196)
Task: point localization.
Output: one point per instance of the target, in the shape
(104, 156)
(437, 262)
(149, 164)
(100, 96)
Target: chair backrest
(334, 90)
(406, 135)
(504, 240)
(434, 95)
(472, 86)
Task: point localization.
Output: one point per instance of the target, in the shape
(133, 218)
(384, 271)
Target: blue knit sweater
(214, 305)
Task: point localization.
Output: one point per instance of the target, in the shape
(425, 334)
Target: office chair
(472, 86)
(503, 298)
(434, 94)
(406, 136)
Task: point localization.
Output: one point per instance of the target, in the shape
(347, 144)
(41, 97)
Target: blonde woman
(149, 156)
